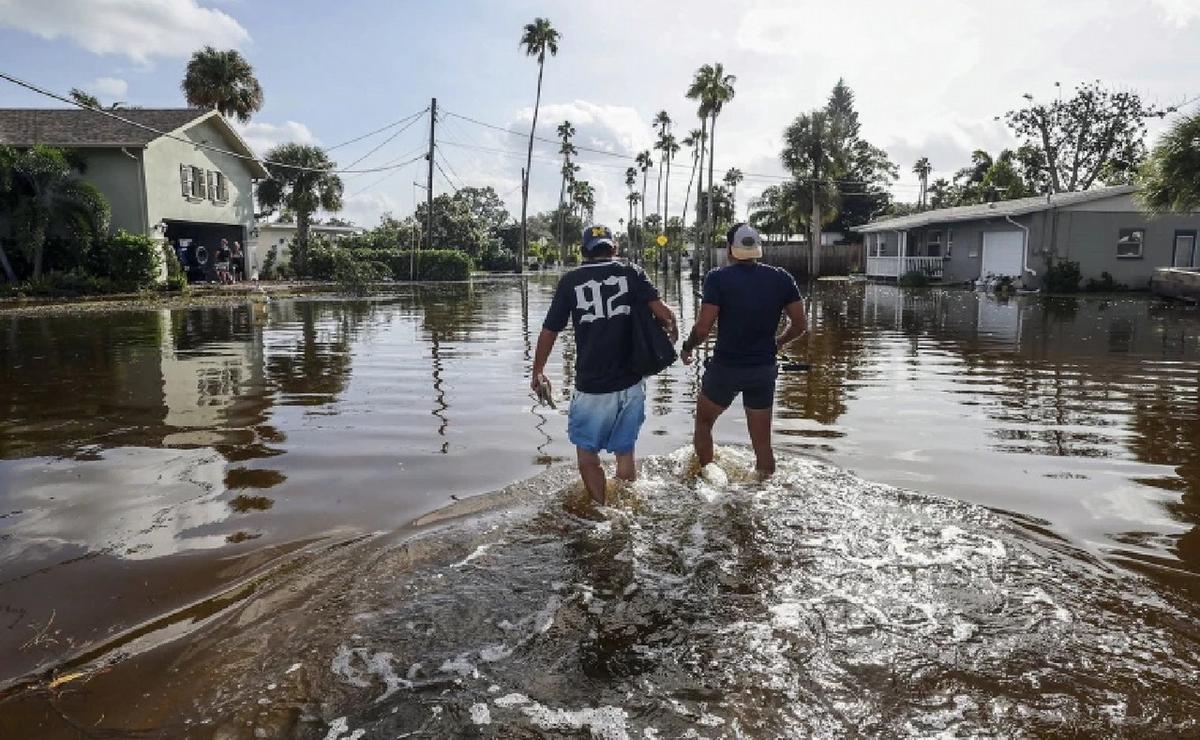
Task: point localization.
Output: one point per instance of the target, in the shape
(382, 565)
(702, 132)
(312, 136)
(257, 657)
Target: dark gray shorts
(722, 384)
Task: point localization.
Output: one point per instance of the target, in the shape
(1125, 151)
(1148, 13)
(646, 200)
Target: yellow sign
(662, 240)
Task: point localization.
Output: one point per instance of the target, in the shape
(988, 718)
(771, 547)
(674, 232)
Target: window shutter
(212, 192)
(185, 180)
(201, 190)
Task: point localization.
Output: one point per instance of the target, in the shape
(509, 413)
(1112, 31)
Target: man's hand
(536, 381)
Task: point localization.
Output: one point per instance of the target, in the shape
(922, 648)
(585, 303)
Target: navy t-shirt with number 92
(598, 299)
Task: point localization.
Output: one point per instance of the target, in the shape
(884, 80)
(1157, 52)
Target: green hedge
(130, 261)
(435, 265)
(1062, 276)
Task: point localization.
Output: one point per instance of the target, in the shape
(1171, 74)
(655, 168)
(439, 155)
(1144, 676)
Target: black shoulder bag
(652, 348)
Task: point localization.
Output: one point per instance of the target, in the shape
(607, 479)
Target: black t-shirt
(598, 299)
(752, 297)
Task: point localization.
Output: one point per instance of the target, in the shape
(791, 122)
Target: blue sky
(929, 77)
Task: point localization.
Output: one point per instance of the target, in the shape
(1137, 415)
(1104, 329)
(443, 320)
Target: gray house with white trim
(1104, 230)
(167, 186)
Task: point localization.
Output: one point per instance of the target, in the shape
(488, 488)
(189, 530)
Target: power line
(395, 171)
(445, 176)
(164, 134)
(385, 142)
(446, 162)
(376, 131)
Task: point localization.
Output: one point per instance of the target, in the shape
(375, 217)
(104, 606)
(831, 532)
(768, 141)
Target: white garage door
(1002, 253)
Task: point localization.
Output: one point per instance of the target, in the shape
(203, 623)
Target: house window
(218, 188)
(949, 243)
(934, 244)
(193, 182)
(1129, 243)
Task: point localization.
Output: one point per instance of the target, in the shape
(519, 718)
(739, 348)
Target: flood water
(348, 518)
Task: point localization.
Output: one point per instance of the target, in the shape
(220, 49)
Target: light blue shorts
(607, 421)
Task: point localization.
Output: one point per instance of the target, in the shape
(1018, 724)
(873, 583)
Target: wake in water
(810, 604)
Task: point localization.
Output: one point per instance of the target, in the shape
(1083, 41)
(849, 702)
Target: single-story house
(167, 186)
(1104, 230)
(278, 235)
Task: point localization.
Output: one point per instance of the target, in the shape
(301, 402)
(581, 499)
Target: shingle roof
(79, 127)
(999, 209)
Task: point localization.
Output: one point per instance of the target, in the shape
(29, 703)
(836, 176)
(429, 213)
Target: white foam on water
(337, 728)
(494, 653)
(346, 664)
(511, 700)
(459, 665)
(480, 714)
(605, 723)
(294, 667)
(477, 552)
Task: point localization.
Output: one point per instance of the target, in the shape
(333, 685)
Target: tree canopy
(223, 80)
(1170, 178)
(300, 182)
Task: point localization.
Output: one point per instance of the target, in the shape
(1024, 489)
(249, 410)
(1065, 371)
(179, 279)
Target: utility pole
(429, 182)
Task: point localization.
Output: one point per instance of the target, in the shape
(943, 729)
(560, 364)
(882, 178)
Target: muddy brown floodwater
(348, 519)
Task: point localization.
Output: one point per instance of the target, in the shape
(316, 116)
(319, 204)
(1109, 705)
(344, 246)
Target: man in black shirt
(608, 406)
(750, 298)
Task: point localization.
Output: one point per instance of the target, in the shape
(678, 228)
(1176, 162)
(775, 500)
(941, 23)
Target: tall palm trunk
(629, 231)
(686, 201)
(712, 155)
(529, 163)
(562, 194)
(642, 231)
(699, 228)
(658, 206)
(666, 213)
(815, 235)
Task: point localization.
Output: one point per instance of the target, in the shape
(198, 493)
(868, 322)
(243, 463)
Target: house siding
(119, 178)
(1090, 238)
(164, 197)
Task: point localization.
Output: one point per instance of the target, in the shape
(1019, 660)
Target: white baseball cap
(745, 243)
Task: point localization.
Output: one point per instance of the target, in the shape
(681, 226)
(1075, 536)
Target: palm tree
(733, 176)
(40, 192)
(298, 184)
(630, 181)
(565, 132)
(222, 80)
(644, 163)
(713, 88)
(670, 148)
(1170, 178)
(694, 140)
(538, 38)
(814, 154)
(84, 98)
(661, 124)
(922, 169)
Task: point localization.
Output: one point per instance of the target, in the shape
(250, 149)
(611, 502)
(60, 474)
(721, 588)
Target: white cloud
(110, 87)
(137, 29)
(262, 136)
(1179, 12)
(614, 128)
(365, 209)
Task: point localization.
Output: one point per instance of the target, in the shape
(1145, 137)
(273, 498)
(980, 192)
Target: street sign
(662, 240)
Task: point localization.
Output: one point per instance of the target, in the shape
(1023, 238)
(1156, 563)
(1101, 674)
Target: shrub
(500, 260)
(268, 271)
(434, 265)
(75, 282)
(355, 276)
(322, 258)
(1062, 276)
(1106, 284)
(130, 261)
(914, 279)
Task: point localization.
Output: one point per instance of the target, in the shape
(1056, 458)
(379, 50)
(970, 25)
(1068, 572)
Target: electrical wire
(446, 162)
(167, 135)
(446, 177)
(377, 131)
(384, 143)
(394, 171)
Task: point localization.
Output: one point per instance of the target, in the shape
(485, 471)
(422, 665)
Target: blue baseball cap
(595, 237)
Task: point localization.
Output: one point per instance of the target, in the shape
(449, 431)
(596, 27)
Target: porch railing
(894, 267)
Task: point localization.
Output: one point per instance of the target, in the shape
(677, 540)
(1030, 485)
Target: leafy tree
(84, 98)
(475, 221)
(733, 177)
(695, 141)
(1170, 178)
(815, 153)
(222, 80)
(862, 190)
(301, 183)
(939, 194)
(1093, 135)
(40, 195)
(538, 38)
(921, 169)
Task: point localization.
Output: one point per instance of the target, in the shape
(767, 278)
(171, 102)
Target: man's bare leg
(592, 473)
(626, 466)
(758, 421)
(706, 416)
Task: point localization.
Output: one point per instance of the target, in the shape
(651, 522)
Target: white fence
(894, 267)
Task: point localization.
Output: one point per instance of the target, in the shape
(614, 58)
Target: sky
(930, 77)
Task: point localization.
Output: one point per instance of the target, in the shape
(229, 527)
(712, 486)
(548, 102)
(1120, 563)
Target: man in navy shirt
(749, 298)
(608, 407)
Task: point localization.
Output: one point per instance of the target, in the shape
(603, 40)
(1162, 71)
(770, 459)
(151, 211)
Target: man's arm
(700, 330)
(545, 343)
(797, 325)
(666, 317)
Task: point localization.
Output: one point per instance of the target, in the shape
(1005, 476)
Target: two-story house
(179, 174)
